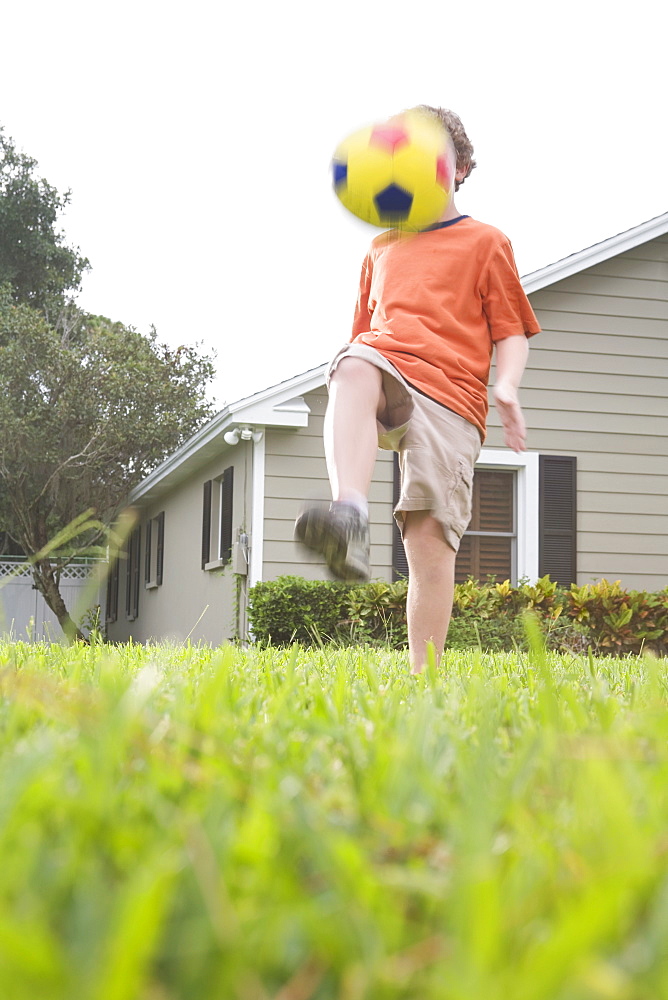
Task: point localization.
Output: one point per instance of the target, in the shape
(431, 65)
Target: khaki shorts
(437, 448)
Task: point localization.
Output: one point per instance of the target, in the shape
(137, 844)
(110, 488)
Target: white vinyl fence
(23, 611)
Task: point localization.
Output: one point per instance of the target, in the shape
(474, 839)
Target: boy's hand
(512, 418)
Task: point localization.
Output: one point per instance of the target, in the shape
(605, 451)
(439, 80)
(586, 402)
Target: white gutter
(596, 254)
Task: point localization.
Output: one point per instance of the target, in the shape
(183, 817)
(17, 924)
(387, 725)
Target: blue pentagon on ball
(393, 203)
(339, 173)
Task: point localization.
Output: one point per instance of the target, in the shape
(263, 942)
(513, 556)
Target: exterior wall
(596, 386)
(191, 603)
(296, 471)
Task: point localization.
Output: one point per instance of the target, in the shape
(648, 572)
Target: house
(586, 501)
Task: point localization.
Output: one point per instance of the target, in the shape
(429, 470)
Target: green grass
(188, 824)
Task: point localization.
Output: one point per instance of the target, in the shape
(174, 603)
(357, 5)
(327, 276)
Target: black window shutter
(557, 518)
(399, 560)
(112, 592)
(226, 499)
(136, 573)
(115, 581)
(128, 572)
(160, 549)
(147, 554)
(132, 574)
(206, 522)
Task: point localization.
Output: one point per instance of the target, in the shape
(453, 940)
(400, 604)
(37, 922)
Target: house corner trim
(257, 512)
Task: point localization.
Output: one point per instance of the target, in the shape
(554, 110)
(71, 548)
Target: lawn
(180, 823)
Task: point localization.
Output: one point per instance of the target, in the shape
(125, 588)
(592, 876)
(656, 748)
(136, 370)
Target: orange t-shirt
(434, 302)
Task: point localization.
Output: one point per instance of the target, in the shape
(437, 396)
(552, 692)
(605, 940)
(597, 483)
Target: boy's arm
(511, 359)
(362, 317)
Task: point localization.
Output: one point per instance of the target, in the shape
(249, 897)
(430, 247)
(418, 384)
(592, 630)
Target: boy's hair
(453, 125)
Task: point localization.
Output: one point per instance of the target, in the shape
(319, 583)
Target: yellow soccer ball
(398, 174)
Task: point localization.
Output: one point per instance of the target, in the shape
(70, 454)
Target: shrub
(291, 609)
(602, 616)
(621, 621)
(377, 612)
(491, 614)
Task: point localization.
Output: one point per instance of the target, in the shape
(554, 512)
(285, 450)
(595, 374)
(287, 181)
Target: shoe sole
(314, 529)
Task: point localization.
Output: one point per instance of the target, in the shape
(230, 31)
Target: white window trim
(526, 466)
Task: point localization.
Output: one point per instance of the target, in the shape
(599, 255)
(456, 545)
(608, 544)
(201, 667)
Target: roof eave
(279, 406)
(595, 254)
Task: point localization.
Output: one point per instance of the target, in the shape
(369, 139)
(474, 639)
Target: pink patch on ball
(393, 137)
(442, 173)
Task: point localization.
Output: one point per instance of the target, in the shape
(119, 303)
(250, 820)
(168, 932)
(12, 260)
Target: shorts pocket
(461, 498)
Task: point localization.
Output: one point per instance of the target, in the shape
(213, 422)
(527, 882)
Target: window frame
(225, 515)
(526, 488)
(512, 535)
(526, 466)
(218, 520)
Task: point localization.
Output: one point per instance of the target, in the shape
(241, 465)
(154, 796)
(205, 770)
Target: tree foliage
(87, 406)
(34, 257)
(85, 413)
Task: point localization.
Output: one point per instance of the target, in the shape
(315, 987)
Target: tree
(85, 413)
(34, 257)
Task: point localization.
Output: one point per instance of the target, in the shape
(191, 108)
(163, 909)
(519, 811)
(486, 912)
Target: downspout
(256, 554)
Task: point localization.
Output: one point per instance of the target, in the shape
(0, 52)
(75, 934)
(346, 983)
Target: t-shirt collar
(443, 225)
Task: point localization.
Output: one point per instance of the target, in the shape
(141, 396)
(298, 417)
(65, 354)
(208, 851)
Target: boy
(431, 307)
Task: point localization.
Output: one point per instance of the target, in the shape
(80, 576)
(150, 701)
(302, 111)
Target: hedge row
(601, 616)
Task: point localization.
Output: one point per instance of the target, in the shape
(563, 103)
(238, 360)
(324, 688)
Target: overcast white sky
(196, 142)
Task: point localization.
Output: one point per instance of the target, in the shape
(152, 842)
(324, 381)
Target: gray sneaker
(341, 534)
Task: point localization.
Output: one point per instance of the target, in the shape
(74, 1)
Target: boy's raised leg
(341, 533)
(351, 437)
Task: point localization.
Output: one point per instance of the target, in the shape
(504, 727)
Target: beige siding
(559, 299)
(191, 603)
(296, 471)
(606, 325)
(597, 387)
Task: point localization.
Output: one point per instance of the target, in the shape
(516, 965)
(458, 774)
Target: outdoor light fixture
(242, 434)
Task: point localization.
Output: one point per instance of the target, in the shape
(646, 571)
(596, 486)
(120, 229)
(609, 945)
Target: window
(217, 509)
(132, 574)
(489, 546)
(225, 518)
(524, 519)
(154, 553)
